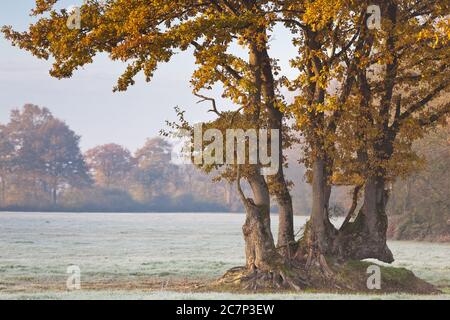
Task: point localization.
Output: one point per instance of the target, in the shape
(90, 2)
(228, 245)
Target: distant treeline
(43, 169)
(420, 203)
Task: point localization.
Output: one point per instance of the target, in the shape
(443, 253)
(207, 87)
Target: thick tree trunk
(322, 231)
(283, 197)
(365, 237)
(265, 268)
(260, 248)
(286, 222)
(319, 232)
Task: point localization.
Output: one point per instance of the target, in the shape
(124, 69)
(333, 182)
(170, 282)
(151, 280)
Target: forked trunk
(365, 237)
(283, 197)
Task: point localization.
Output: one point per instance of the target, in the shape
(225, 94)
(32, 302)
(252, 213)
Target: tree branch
(353, 207)
(436, 116)
(420, 104)
(213, 102)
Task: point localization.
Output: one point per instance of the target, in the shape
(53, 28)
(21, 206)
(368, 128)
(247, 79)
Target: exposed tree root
(292, 279)
(324, 275)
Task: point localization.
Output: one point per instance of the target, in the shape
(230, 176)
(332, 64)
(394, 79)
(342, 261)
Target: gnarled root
(324, 274)
(260, 280)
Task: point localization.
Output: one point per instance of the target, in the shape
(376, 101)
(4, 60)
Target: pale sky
(86, 101)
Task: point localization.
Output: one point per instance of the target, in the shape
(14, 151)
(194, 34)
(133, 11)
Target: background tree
(46, 153)
(419, 208)
(41, 165)
(7, 157)
(110, 165)
(59, 151)
(154, 174)
(24, 128)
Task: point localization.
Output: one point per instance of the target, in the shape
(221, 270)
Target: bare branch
(213, 102)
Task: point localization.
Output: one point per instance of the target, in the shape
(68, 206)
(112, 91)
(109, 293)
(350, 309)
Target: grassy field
(153, 256)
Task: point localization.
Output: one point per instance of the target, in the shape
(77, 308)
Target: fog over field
(37, 248)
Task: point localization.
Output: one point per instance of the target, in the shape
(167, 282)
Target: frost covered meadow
(37, 248)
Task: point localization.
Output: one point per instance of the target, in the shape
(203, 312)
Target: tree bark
(366, 237)
(319, 232)
(275, 120)
(260, 248)
(322, 231)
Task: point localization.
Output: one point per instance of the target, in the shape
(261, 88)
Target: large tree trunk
(286, 237)
(319, 232)
(266, 268)
(282, 194)
(322, 231)
(260, 249)
(365, 237)
(259, 245)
